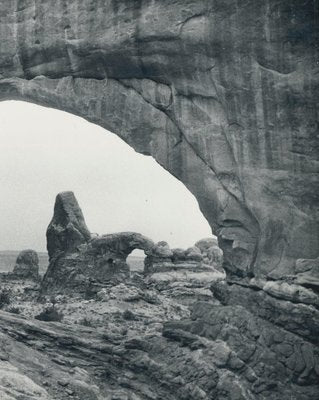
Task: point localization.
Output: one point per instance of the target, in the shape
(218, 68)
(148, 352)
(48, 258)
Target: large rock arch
(220, 93)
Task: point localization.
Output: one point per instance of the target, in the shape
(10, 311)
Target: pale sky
(45, 151)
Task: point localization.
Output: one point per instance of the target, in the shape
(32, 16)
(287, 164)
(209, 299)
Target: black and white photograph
(159, 199)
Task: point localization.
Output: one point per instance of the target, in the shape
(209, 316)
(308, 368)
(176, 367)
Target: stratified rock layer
(222, 94)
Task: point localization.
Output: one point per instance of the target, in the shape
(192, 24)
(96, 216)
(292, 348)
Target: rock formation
(258, 336)
(205, 254)
(78, 260)
(67, 229)
(222, 94)
(81, 263)
(120, 245)
(211, 252)
(27, 265)
(183, 274)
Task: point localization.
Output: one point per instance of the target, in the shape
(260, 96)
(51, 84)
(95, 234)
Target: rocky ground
(136, 340)
(100, 349)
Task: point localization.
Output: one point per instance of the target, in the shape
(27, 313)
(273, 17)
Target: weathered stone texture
(221, 93)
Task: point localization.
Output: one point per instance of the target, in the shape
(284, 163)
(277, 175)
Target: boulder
(211, 252)
(158, 257)
(205, 244)
(27, 265)
(193, 254)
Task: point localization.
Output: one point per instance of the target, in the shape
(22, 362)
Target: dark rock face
(67, 229)
(222, 94)
(27, 265)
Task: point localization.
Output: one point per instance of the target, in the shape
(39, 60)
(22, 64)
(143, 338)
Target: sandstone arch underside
(221, 93)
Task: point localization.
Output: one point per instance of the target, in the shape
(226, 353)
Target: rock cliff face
(221, 93)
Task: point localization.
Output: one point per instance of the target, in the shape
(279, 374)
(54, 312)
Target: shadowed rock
(67, 229)
(27, 265)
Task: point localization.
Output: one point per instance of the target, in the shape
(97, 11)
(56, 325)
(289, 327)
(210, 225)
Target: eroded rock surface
(222, 94)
